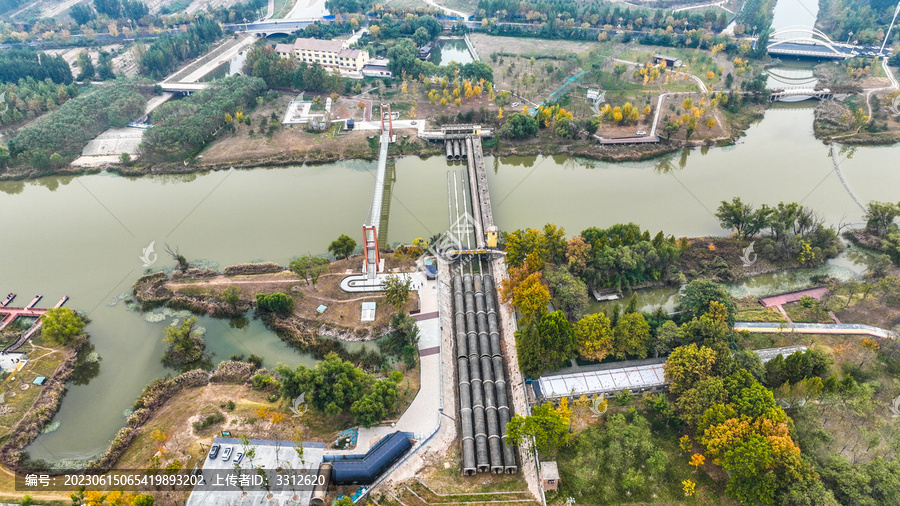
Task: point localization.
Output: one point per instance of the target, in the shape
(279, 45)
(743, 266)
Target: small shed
(368, 312)
(549, 475)
(40, 380)
(321, 309)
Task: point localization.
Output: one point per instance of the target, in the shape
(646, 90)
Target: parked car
(213, 451)
(226, 453)
(238, 457)
(640, 132)
(516, 104)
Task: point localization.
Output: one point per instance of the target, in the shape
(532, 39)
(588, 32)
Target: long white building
(332, 54)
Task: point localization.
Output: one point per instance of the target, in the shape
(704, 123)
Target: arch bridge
(807, 41)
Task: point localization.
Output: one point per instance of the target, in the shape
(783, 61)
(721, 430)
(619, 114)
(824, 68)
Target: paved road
(817, 328)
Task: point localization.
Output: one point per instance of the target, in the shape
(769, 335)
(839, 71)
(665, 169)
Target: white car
(226, 452)
(640, 132)
(516, 104)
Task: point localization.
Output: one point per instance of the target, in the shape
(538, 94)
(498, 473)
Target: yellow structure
(491, 236)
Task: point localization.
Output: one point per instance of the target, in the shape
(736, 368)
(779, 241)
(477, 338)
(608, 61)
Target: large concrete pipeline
(449, 146)
(457, 150)
(487, 381)
(465, 152)
(482, 458)
(502, 397)
(464, 387)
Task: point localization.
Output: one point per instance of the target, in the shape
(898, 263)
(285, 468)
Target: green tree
(687, 365)
(86, 65)
(231, 295)
(545, 345)
(60, 325)
(705, 394)
(616, 462)
(631, 336)
(694, 300)
(374, 407)
(344, 501)
(880, 217)
(750, 465)
(742, 218)
(309, 268)
(519, 126)
(403, 57)
(594, 336)
(548, 427)
(396, 291)
(277, 303)
(569, 293)
(143, 500)
(342, 247)
(331, 387)
(185, 343)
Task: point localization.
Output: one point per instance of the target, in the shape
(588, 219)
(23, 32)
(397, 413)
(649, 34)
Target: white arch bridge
(807, 41)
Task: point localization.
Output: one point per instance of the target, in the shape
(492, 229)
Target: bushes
(183, 127)
(209, 421)
(67, 130)
(277, 303)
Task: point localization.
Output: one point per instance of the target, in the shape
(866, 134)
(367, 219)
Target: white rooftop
(368, 312)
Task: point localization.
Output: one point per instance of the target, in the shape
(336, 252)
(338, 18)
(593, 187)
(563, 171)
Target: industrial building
(332, 54)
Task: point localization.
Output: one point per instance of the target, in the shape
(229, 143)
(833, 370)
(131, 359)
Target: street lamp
(848, 37)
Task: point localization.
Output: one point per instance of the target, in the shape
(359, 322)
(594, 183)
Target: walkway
(786, 298)
(816, 328)
(13, 313)
(448, 11)
(421, 418)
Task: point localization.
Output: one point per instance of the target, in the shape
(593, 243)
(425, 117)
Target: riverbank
(294, 146)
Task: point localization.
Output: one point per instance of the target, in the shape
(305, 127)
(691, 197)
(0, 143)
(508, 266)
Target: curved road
(450, 12)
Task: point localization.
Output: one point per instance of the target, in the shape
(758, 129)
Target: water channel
(85, 234)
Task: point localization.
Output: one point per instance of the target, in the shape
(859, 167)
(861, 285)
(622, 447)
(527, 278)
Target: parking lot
(278, 458)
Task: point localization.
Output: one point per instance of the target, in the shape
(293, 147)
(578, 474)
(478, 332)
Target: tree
(544, 344)
(530, 297)
(697, 460)
(277, 303)
(750, 466)
(331, 387)
(421, 37)
(569, 292)
(86, 65)
(185, 343)
(694, 300)
(342, 247)
(81, 13)
(742, 218)
(476, 71)
(632, 336)
(143, 500)
(377, 404)
(396, 291)
(615, 462)
(60, 325)
(547, 426)
(705, 394)
(519, 126)
(594, 336)
(309, 268)
(231, 295)
(403, 57)
(688, 365)
(880, 217)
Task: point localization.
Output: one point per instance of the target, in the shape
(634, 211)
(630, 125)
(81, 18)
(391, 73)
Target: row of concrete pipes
(483, 399)
(456, 149)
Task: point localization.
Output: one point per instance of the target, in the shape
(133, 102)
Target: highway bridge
(271, 27)
(810, 42)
